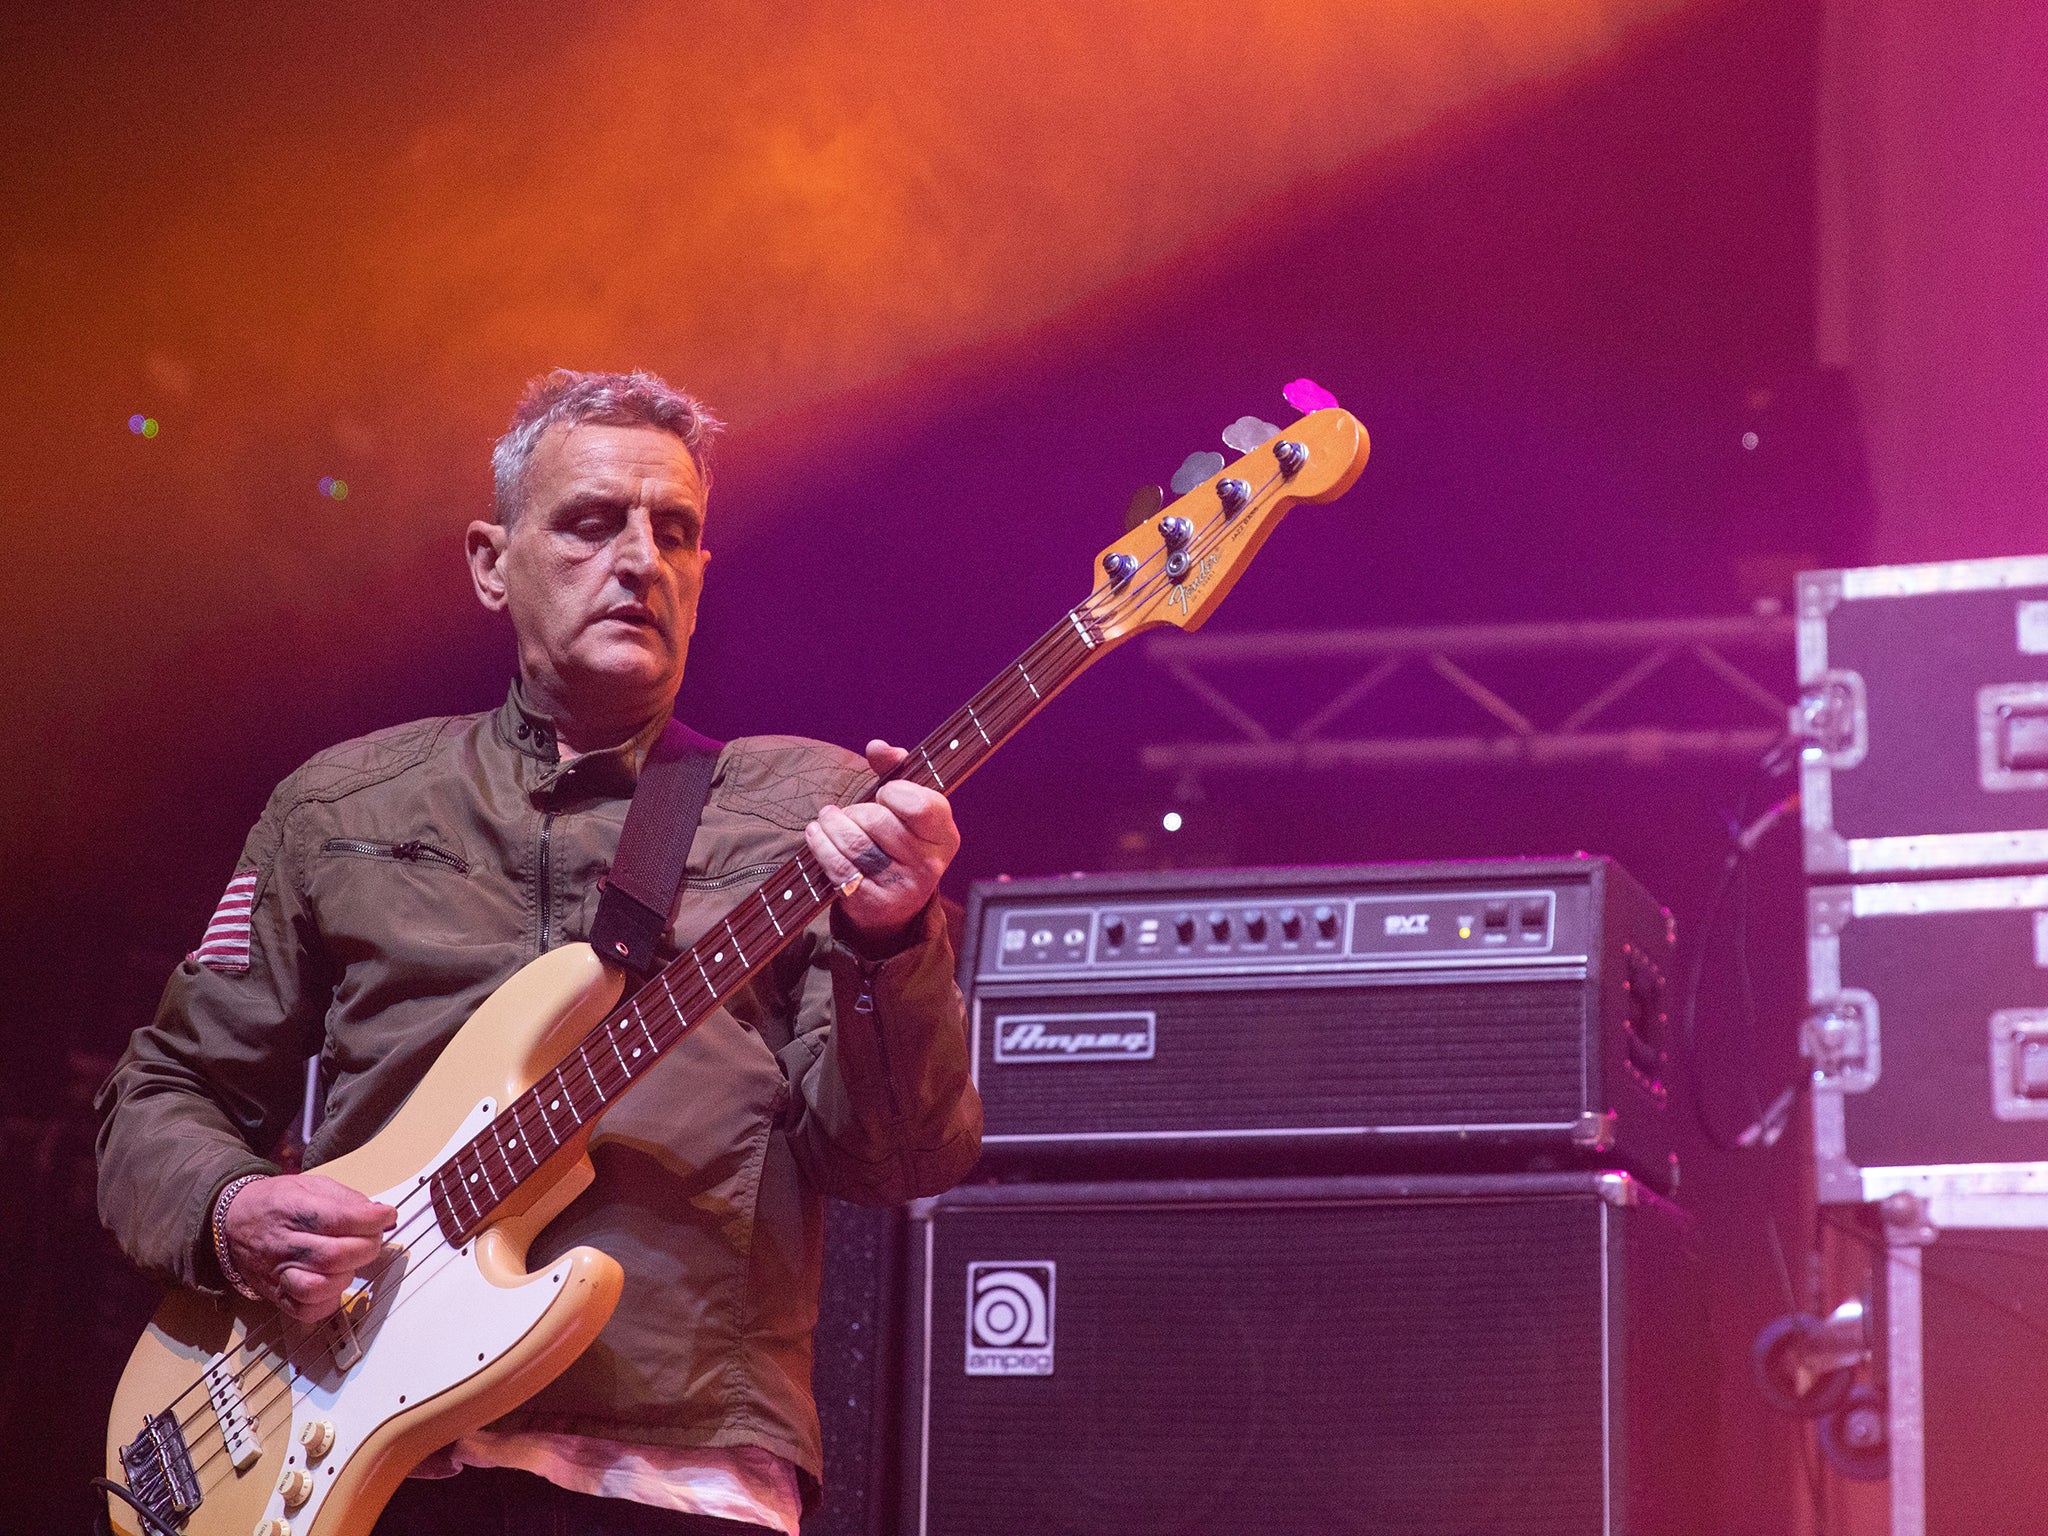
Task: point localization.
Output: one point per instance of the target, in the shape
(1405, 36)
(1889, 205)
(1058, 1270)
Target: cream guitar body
(231, 1421)
(314, 1426)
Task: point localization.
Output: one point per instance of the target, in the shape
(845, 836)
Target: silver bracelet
(228, 1272)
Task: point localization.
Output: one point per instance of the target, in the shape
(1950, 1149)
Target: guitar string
(1001, 694)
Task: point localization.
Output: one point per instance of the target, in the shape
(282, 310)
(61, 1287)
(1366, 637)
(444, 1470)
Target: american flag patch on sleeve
(226, 945)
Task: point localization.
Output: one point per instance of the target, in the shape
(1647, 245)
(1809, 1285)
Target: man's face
(600, 571)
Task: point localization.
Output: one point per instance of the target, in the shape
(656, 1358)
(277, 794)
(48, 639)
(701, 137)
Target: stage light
(1749, 440)
(1171, 821)
(333, 488)
(135, 423)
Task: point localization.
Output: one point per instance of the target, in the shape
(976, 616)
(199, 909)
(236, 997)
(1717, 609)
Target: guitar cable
(152, 1525)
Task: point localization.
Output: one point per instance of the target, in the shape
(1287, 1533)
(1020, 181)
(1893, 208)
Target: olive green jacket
(398, 880)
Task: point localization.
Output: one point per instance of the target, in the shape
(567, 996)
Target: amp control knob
(1184, 928)
(1290, 923)
(1219, 927)
(1326, 922)
(1255, 926)
(1112, 931)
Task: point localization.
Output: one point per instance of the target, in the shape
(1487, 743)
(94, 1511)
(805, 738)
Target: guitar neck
(551, 1118)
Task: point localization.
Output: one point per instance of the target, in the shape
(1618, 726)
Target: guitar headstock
(1176, 567)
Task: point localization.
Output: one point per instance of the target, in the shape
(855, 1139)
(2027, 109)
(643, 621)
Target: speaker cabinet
(1517, 1354)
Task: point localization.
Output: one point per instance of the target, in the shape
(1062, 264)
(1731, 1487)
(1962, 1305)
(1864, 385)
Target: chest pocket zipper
(413, 852)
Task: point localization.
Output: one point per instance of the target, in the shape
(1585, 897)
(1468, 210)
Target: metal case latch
(1840, 1038)
(1831, 719)
(2019, 1064)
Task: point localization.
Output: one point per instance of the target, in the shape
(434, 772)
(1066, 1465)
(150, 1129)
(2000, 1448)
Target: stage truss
(1586, 729)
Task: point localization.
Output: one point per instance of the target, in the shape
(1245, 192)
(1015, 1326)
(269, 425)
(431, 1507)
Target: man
(392, 884)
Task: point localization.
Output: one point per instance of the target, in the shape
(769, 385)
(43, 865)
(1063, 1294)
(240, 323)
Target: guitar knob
(1233, 493)
(318, 1438)
(1119, 567)
(274, 1526)
(1175, 532)
(296, 1486)
(1291, 456)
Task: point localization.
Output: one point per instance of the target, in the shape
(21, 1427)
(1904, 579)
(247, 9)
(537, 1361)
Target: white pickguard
(442, 1322)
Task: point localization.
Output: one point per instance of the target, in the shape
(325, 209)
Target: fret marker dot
(953, 746)
(636, 1050)
(787, 894)
(472, 1178)
(718, 957)
(554, 1104)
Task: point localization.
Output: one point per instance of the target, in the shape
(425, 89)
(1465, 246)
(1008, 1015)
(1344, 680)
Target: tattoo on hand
(871, 861)
(306, 1221)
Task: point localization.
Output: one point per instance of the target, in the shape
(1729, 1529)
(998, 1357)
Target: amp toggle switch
(1290, 923)
(1255, 926)
(1219, 927)
(1112, 931)
(1184, 928)
(1326, 922)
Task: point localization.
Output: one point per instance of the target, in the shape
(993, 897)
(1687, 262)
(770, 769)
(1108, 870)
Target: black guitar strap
(654, 845)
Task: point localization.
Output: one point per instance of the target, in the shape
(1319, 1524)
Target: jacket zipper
(547, 898)
(730, 877)
(412, 852)
(865, 1003)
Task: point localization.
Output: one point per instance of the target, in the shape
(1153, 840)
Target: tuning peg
(1146, 501)
(1194, 469)
(1306, 395)
(1248, 432)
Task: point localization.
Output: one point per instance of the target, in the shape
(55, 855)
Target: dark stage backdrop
(1557, 318)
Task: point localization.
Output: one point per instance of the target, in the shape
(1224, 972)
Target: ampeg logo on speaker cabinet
(1075, 1036)
(1009, 1319)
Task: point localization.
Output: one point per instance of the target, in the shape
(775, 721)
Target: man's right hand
(299, 1239)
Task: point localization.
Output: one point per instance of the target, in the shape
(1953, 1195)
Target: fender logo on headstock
(1184, 594)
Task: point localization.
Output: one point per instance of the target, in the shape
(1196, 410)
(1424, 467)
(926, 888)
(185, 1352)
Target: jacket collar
(527, 731)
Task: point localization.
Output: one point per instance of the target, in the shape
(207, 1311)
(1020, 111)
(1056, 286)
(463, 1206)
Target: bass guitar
(233, 1420)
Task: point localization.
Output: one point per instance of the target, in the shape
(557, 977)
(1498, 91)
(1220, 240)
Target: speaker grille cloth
(1384, 1367)
(1403, 1055)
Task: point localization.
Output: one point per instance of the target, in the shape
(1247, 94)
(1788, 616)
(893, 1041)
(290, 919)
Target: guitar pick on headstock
(1248, 432)
(1307, 396)
(1146, 502)
(1194, 469)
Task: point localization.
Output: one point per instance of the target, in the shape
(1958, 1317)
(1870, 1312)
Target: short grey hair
(566, 397)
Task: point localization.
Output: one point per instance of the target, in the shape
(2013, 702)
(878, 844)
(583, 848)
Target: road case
(1924, 713)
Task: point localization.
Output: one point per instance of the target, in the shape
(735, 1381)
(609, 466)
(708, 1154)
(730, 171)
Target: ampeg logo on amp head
(1009, 1318)
(1075, 1036)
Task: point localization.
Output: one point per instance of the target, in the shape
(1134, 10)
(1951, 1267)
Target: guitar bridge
(159, 1469)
